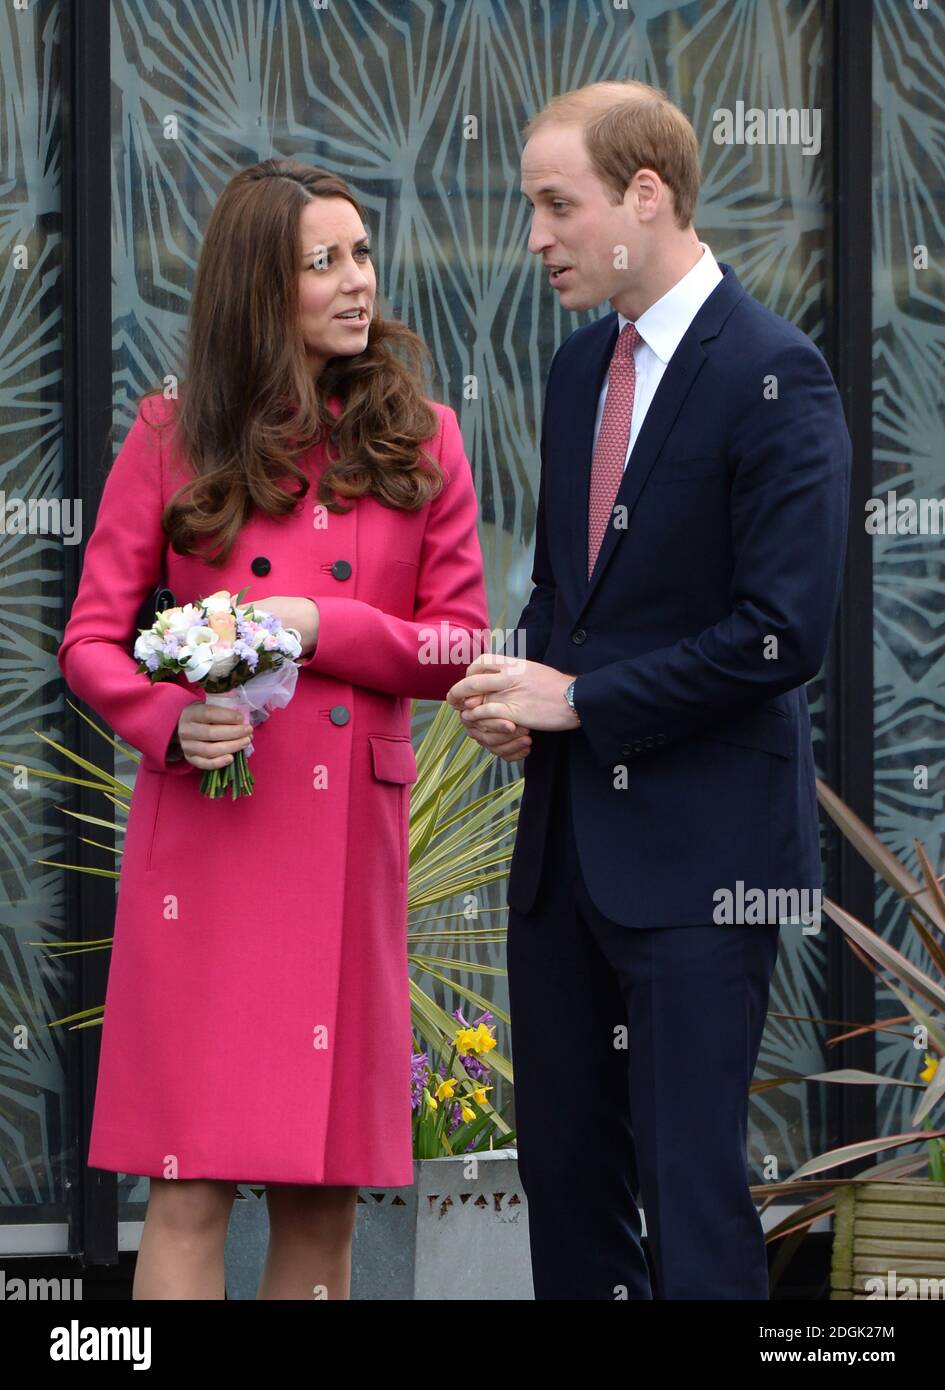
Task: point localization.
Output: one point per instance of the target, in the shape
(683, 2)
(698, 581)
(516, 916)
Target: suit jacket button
(625, 748)
(649, 741)
(340, 714)
(661, 738)
(260, 565)
(578, 636)
(637, 746)
(341, 569)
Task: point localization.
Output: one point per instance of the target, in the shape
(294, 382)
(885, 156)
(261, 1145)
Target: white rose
(147, 644)
(220, 602)
(224, 663)
(181, 620)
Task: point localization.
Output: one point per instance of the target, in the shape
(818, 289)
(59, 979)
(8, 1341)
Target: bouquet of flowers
(242, 656)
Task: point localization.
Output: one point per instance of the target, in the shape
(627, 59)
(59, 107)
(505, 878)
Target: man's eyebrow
(548, 188)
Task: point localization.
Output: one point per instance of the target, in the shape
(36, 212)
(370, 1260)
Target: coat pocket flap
(394, 758)
(765, 729)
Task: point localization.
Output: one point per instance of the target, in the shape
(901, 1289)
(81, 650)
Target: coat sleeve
(789, 506)
(420, 659)
(122, 564)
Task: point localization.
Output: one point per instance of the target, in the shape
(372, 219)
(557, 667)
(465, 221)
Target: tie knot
(629, 337)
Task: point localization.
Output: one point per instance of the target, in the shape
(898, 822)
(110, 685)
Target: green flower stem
(235, 778)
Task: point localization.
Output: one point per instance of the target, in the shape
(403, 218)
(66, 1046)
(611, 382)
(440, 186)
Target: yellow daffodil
(464, 1040)
(466, 1113)
(931, 1067)
(431, 1103)
(483, 1040)
(446, 1088)
(479, 1094)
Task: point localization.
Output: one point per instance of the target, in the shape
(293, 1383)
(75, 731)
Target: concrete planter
(889, 1241)
(448, 1236)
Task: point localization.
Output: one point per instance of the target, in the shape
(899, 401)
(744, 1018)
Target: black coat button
(260, 565)
(637, 746)
(649, 741)
(578, 636)
(661, 738)
(341, 569)
(340, 714)
(625, 748)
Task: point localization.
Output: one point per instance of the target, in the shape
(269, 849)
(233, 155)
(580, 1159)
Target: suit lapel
(675, 384)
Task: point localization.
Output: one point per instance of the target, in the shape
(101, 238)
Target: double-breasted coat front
(257, 1020)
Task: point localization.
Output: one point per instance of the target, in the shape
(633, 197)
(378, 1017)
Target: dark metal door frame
(87, 414)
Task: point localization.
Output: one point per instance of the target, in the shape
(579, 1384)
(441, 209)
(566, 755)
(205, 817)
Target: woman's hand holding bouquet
(243, 658)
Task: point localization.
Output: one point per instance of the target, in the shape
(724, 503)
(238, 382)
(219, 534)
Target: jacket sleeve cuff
(595, 712)
(166, 715)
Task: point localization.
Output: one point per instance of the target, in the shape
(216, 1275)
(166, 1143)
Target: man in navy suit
(690, 538)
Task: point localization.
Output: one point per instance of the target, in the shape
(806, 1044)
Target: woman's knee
(194, 1205)
(312, 1210)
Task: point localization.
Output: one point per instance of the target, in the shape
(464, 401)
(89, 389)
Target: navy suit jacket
(709, 607)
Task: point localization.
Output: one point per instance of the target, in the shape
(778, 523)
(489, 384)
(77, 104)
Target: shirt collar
(664, 324)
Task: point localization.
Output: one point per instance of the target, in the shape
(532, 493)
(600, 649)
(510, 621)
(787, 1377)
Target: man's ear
(646, 193)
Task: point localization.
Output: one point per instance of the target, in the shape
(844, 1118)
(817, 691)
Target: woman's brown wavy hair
(247, 369)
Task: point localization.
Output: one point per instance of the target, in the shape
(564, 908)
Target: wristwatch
(569, 696)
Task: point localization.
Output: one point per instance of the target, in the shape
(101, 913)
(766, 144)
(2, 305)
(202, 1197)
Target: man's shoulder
(754, 323)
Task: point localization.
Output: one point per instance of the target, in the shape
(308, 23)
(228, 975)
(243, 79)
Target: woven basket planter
(889, 1241)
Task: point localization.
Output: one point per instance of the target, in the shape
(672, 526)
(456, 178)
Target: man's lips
(556, 273)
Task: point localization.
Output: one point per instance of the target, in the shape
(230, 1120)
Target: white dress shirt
(662, 327)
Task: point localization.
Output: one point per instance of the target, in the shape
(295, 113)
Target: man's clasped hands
(501, 699)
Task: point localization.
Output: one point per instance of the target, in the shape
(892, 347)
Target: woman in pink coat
(257, 1019)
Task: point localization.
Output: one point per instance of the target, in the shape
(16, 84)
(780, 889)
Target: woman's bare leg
(181, 1252)
(310, 1232)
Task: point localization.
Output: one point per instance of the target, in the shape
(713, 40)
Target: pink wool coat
(257, 1019)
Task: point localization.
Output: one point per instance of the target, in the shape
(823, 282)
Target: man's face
(575, 227)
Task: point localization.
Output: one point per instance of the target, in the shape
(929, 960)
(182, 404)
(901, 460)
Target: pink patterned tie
(610, 451)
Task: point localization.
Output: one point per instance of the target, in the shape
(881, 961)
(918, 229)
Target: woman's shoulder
(447, 434)
(156, 408)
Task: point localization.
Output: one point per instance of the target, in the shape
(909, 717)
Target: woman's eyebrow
(361, 241)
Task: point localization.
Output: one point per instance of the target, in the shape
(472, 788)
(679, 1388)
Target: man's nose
(538, 238)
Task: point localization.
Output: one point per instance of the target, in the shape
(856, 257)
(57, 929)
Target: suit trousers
(633, 1050)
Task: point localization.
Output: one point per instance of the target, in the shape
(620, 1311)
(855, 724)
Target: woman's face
(336, 278)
